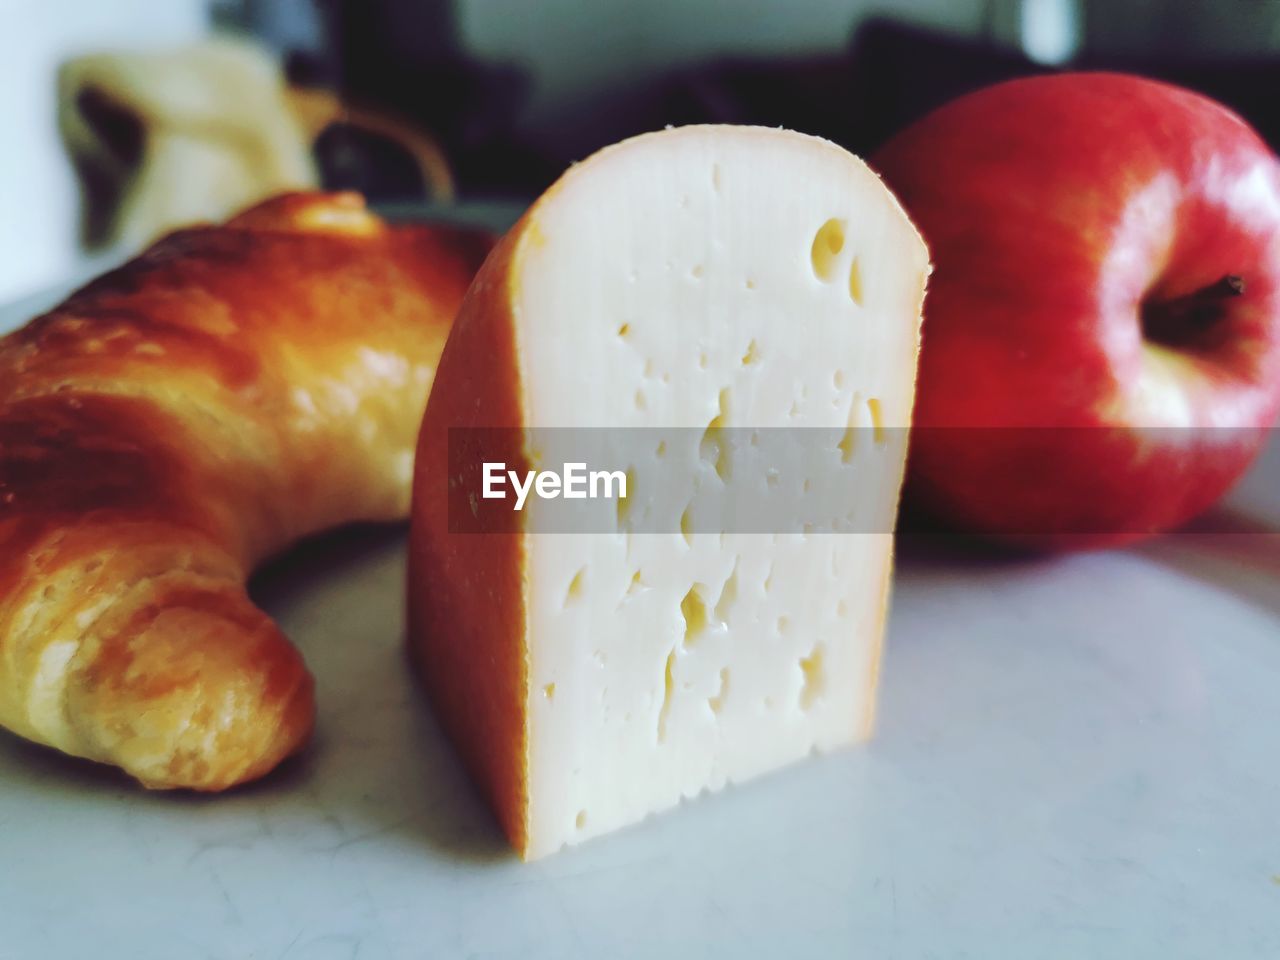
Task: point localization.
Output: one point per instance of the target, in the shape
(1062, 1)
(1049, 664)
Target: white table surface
(1077, 758)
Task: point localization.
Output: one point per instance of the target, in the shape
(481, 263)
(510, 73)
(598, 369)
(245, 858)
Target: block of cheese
(708, 276)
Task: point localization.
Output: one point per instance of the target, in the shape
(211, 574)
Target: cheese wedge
(709, 278)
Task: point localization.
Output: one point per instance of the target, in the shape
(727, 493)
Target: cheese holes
(624, 331)
(549, 691)
(637, 584)
(668, 688)
(580, 821)
(847, 444)
(624, 503)
(855, 282)
(715, 446)
(696, 271)
(728, 596)
(813, 679)
(576, 587)
(827, 244)
(693, 608)
(824, 254)
(716, 702)
(876, 415)
(686, 527)
(752, 356)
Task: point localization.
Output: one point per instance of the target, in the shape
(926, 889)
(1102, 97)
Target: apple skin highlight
(1101, 353)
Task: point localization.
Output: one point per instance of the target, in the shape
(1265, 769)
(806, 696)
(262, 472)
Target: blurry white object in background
(167, 138)
(39, 199)
(1050, 32)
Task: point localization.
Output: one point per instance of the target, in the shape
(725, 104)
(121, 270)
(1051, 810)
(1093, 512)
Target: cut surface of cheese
(701, 277)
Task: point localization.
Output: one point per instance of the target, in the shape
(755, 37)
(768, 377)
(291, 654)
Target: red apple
(1101, 353)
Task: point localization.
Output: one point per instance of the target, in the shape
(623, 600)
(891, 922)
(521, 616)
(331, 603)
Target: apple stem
(1178, 321)
(1229, 286)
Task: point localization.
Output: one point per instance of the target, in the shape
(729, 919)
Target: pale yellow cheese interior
(703, 277)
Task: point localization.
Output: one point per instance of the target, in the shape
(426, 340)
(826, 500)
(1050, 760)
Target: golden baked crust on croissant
(172, 424)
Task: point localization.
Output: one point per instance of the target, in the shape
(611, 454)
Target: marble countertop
(1076, 757)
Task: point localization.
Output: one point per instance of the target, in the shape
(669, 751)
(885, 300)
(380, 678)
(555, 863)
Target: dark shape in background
(409, 57)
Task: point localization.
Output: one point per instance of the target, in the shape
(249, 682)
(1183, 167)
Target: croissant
(172, 424)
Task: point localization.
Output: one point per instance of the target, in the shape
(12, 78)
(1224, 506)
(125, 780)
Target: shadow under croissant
(378, 771)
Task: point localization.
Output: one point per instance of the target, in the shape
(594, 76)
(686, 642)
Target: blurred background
(125, 118)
